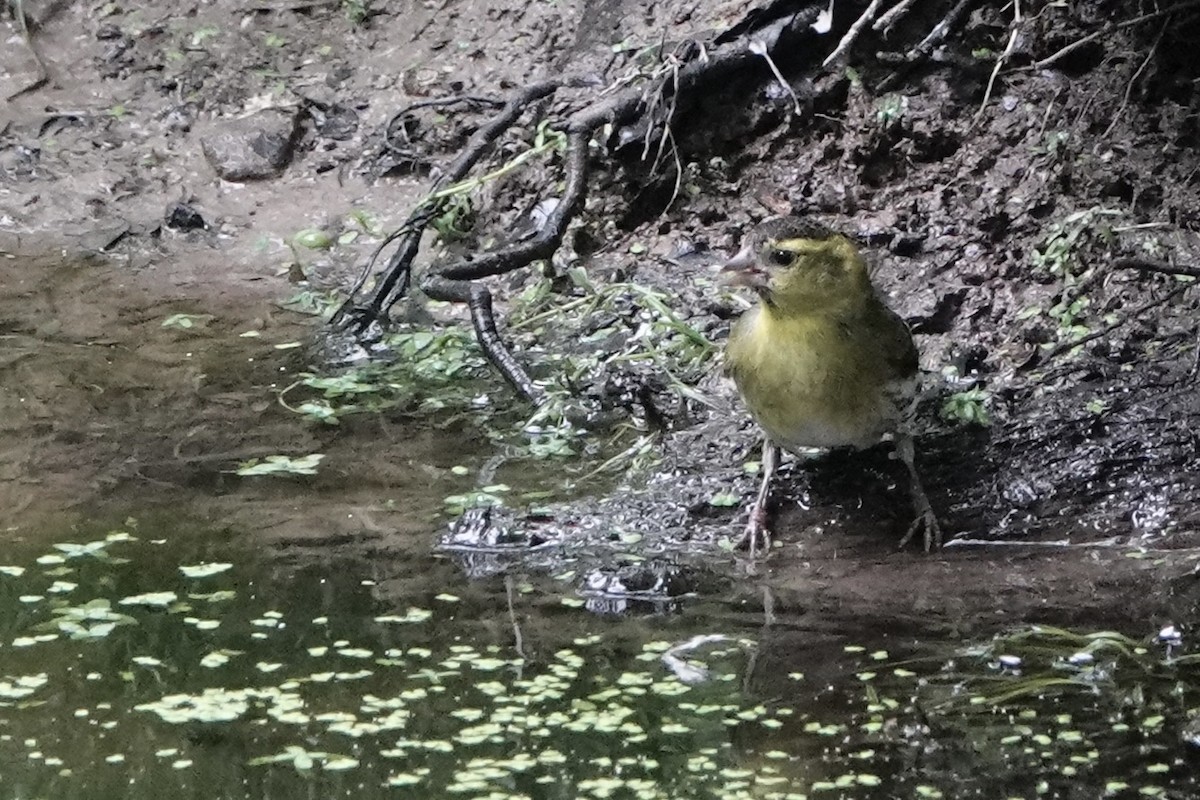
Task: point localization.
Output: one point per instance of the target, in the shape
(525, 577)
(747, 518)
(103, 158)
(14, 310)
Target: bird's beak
(743, 270)
(743, 260)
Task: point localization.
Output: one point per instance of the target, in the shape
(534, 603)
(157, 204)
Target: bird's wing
(899, 350)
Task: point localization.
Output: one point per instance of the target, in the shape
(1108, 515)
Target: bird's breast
(813, 381)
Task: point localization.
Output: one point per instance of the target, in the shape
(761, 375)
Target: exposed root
(1136, 75)
(677, 77)
(1108, 31)
(397, 275)
(923, 50)
(43, 75)
(1008, 48)
(1112, 326)
(847, 41)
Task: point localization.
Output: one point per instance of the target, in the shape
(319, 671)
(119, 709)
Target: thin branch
(1012, 42)
(1133, 81)
(760, 49)
(1149, 265)
(931, 40)
(848, 39)
(1112, 326)
(1109, 29)
(43, 75)
(889, 17)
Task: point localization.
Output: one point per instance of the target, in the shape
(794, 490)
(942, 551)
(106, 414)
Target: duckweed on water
(388, 696)
(133, 675)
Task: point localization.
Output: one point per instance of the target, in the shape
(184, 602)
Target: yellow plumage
(810, 381)
(821, 361)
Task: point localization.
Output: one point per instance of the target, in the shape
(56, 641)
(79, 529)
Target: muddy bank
(992, 216)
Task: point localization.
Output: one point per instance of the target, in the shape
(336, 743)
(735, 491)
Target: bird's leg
(925, 518)
(756, 527)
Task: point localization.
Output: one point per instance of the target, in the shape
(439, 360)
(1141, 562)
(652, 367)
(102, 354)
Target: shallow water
(169, 629)
(154, 655)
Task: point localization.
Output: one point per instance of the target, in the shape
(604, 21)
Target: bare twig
(1109, 29)
(434, 16)
(394, 125)
(18, 9)
(760, 49)
(1112, 326)
(1133, 81)
(1008, 48)
(848, 39)
(940, 30)
(889, 17)
(931, 40)
(1149, 265)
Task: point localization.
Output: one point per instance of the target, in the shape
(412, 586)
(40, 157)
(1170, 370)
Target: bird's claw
(926, 520)
(756, 537)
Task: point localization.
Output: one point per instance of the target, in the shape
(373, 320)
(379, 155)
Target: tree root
(633, 103)
(26, 27)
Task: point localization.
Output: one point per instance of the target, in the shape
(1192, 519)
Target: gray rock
(252, 148)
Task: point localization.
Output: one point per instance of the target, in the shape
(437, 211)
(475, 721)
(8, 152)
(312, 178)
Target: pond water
(192, 634)
(151, 655)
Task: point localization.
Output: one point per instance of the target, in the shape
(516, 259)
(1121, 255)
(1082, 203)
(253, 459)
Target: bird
(821, 360)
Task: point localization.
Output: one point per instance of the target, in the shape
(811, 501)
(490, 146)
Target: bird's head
(799, 266)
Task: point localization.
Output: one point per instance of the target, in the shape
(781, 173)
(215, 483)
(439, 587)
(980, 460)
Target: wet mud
(992, 227)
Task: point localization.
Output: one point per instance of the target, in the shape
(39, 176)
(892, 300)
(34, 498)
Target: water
(168, 629)
(153, 655)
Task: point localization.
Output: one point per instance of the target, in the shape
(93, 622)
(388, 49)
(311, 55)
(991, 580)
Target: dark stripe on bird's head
(781, 229)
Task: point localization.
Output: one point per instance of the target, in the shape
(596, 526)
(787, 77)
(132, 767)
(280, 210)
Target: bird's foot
(756, 538)
(926, 520)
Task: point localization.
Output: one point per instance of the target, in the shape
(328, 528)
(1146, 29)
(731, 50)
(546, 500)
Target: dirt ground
(992, 206)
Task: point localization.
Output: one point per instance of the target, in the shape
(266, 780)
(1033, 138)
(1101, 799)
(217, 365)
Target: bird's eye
(779, 258)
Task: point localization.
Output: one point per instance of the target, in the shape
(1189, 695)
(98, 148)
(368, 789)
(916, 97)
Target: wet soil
(1090, 460)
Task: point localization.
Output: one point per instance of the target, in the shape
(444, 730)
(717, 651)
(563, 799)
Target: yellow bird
(821, 361)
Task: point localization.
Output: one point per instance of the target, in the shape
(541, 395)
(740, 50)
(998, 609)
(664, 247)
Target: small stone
(253, 148)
